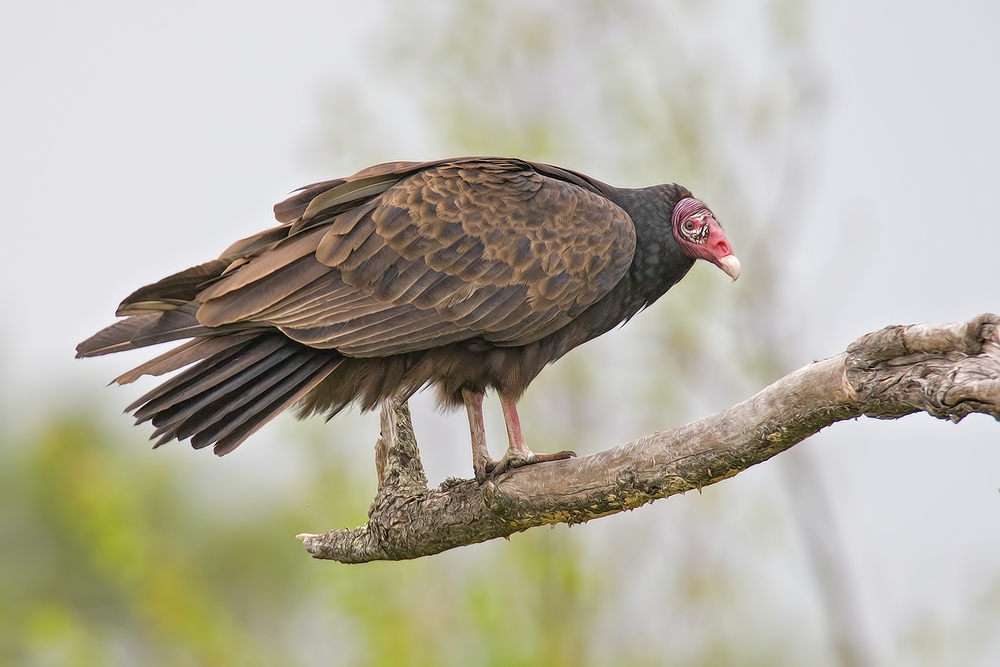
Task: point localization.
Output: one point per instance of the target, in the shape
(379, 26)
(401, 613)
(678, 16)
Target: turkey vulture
(467, 274)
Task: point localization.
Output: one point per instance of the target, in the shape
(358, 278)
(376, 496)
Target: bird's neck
(659, 262)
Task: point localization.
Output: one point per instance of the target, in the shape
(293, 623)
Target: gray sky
(128, 128)
(908, 203)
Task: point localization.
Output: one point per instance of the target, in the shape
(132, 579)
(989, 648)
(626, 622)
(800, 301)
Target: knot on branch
(946, 370)
(397, 458)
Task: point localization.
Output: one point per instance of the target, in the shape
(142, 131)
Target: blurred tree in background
(112, 556)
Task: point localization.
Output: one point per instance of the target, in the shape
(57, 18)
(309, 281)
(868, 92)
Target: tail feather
(197, 414)
(231, 391)
(246, 377)
(199, 371)
(255, 355)
(234, 379)
(200, 413)
(254, 415)
(183, 355)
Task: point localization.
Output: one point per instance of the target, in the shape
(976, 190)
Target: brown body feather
(468, 273)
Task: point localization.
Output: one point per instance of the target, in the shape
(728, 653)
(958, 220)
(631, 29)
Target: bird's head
(701, 237)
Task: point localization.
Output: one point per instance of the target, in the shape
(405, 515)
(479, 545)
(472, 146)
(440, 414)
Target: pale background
(136, 140)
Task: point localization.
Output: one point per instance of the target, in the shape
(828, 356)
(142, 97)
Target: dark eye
(689, 225)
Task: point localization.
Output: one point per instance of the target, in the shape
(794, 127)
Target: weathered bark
(946, 370)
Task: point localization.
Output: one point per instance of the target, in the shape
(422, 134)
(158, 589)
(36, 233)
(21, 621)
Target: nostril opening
(722, 248)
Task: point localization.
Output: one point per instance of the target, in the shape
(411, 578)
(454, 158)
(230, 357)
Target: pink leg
(518, 453)
(515, 438)
(481, 461)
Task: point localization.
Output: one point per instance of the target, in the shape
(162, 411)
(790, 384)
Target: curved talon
(506, 464)
(555, 456)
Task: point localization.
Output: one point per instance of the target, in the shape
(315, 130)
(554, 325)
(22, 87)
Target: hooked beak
(714, 247)
(718, 251)
(730, 264)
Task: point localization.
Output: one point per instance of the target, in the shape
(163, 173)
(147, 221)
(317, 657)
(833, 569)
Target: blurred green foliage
(110, 557)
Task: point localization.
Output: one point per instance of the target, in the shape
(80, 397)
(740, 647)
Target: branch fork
(945, 370)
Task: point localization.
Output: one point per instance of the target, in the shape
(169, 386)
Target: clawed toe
(517, 455)
(508, 463)
(557, 456)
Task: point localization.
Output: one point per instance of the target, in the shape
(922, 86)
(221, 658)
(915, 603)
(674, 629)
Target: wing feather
(336, 247)
(402, 340)
(116, 337)
(284, 253)
(172, 291)
(409, 256)
(244, 303)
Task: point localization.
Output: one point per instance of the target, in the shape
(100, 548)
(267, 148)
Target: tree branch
(946, 370)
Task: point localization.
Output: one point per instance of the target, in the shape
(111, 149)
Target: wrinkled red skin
(700, 235)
